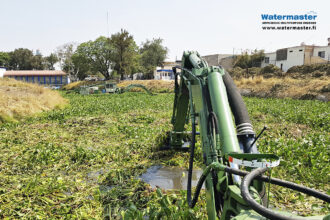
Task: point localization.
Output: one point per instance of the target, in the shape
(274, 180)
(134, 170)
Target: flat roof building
(44, 77)
(165, 72)
(285, 58)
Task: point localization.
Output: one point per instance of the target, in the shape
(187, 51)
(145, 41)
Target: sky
(207, 26)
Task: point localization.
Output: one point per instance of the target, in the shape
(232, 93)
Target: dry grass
(279, 87)
(72, 85)
(19, 99)
(75, 85)
(152, 85)
(158, 86)
(285, 86)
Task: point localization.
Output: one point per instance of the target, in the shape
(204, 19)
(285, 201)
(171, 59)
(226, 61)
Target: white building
(165, 72)
(2, 71)
(299, 55)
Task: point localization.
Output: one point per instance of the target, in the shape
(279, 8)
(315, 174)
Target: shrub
(236, 72)
(308, 69)
(271, 70)
(250, 60)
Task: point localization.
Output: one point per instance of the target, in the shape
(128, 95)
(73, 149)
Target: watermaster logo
(306, 21)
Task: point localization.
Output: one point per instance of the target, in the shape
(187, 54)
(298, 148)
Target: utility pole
(108, 25)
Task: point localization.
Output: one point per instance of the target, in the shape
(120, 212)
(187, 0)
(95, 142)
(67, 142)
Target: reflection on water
(169, 177)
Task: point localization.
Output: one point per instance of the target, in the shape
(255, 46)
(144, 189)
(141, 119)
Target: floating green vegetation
(83, 161)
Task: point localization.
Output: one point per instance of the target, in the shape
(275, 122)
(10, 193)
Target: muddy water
(169, 178)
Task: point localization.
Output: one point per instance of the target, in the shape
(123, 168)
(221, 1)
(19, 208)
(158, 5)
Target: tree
(247, 61)
(257, 57)
(38, 62)
(242, 61)
(96, 56)
(64, 54)
(4, 59)
(21, 59)
(51, 60)
(153, 54)
(81, 65)
(125, 53)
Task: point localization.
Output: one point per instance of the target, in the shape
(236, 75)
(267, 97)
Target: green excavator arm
(207, 96)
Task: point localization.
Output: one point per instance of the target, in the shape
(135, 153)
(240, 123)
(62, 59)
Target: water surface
(169, 177)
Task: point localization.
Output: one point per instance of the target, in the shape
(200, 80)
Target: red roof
(34, 73)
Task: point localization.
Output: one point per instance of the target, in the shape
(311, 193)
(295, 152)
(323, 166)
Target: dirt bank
(259, 86)
(282, 87)
(19, 99)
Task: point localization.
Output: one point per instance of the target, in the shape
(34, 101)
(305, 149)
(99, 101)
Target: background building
(165, 72)
(224, 60)
(298, 55)
(2, 71)
(44, 77)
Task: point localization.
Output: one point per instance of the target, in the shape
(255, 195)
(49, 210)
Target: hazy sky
(209, 26)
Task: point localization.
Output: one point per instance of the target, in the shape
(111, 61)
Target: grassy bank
(19, 99)
(257, 86)
(82, 161)
(285, 87)
(158, 86)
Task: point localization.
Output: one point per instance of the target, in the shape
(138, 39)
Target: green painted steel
(201, 86)
(200, 94)
(220, 105)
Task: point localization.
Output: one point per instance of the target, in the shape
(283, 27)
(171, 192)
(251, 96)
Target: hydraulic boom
(209, 98)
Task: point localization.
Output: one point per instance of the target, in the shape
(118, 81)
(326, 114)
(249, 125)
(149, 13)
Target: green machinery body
(200, 94)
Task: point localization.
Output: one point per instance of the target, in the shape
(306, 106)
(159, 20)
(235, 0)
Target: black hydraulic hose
(245, 132)
(275, 181)
(191, 164)
(192, 202)
(287, 184)
(236, 101)
(253, 204)
(213, 120)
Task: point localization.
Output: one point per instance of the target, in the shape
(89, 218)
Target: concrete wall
(215, 59)
(227, 62)
(2, 71)
(308, 53)
(327, 52)
(301, 55)
(272, 59)
(295, 57)
(317, 60)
